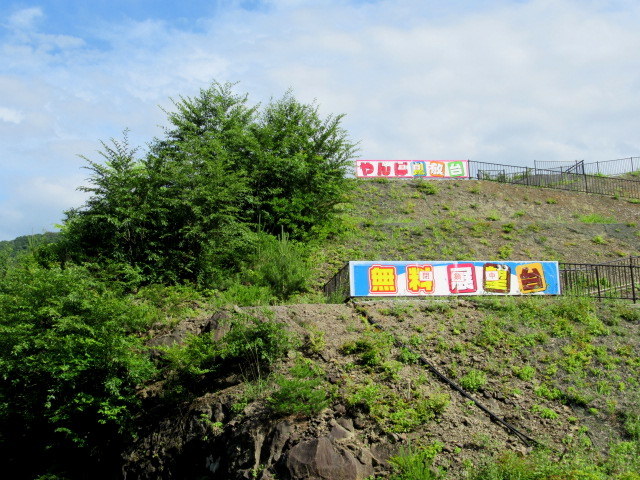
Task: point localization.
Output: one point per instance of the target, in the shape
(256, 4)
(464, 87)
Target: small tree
(189, 209)
(298, 175)
(281, 265)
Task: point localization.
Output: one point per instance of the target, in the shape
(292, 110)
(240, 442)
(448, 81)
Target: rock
(191, 326)
(216, 324)
(360, 423)
(346, 423)
(364, 456)
(381, 453)
(338, 432)
(320, 459)
(278, 439)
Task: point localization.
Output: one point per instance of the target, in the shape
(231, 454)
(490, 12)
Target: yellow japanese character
(382, 279)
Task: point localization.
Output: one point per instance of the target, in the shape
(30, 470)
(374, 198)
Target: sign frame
(450, 278)
(431, 169)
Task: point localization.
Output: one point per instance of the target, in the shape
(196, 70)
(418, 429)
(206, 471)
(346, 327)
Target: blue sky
(492, 80)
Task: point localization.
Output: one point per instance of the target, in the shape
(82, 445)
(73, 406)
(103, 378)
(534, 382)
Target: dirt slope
(563, 371)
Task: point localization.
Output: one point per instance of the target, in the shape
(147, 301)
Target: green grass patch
(596, 218)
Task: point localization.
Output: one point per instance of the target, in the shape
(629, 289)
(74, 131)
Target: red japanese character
(367, 168)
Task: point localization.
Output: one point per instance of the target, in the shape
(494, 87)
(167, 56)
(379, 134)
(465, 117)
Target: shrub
(408, 357)
(70, 363)
(526, 372)
(365, 396)
(252, 346)
(373, 348)
(427, 188)
(281, 265)
(544, 412)
(493, 216)
(632, 425)
(302, 394)
(474, 380)
(416, 463)
(505, 252)
(260, 342)
(550, 393)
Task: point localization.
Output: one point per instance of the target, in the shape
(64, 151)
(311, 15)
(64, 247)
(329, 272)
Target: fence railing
(609, 168)
(560, 179)
(576, 166)
(619, 279)
(615, 280)
(338, 285)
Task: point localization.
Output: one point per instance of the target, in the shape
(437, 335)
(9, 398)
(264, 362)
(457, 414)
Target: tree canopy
(224, 170)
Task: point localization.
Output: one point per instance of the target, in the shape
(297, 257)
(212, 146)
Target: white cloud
(495, 81)
(25, 18)
(10, 115)
(36, 204)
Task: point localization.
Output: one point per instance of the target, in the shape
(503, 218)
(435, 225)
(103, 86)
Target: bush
(281, 265)
(251, 347)
(70, 363)
(526, 372)
(474, 380)
(305, 393)
(416, 463)
(255, 344)
(426, 188)
(373, 349)
(632, 425)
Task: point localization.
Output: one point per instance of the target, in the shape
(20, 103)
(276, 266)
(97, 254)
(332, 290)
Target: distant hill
(24, 242)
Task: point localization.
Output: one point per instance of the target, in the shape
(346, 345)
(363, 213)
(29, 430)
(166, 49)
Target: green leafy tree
(298, 175)
(223, 170)
(111, 225)
(70, 363)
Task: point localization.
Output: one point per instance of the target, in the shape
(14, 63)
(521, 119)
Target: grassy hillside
(153, 381)
(563, 371)
(407, 220)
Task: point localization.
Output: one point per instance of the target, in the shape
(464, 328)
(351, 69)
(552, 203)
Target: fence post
(633, 283)
(598, 282)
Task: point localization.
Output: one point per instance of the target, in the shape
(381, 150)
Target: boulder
(321, 459)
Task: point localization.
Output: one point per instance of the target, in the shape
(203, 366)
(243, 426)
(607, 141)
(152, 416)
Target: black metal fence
(576, 166)
(619, 279)
(609, 168)
(568, 178)
(338, 286)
